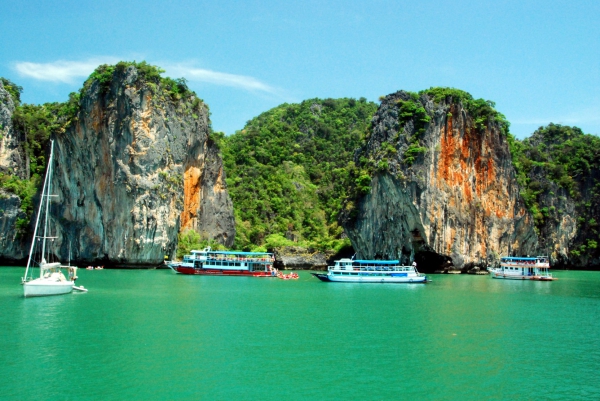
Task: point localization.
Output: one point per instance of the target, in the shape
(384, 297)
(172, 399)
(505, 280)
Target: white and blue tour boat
(523, 268)
(371, 271)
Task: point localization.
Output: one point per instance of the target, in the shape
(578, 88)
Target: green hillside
(288, 172)
(556, 166)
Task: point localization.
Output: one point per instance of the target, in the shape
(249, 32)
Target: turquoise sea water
(154, 335)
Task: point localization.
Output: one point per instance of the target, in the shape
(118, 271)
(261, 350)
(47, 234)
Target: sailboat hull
(43, 287)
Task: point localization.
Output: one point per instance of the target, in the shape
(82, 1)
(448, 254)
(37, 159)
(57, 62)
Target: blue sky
(538, 60)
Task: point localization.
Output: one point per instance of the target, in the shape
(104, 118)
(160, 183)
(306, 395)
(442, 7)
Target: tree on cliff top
(13, 89)
(151, 75)
(479, 109)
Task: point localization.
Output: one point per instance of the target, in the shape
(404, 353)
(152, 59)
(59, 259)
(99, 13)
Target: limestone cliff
(12, 151)
(296, 257)
(135, 166)
(443, 190)
(12, 162)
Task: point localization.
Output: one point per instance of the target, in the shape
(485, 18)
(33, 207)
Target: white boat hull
(43, 287)
(376, 279)
(520, 277)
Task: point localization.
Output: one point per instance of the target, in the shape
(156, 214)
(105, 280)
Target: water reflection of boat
(523, 268)
(371, 271)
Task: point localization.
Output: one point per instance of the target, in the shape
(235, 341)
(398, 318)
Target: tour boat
(52, 279)
(226, 263)
(371, 271)
(523, 268)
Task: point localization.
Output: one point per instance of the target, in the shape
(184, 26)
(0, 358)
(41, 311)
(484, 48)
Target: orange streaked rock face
(457, 204)
(207, 207)
(191, 197)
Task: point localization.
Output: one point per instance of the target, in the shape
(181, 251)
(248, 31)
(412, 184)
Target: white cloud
(74, 71)
(61, 71)
(220, 78)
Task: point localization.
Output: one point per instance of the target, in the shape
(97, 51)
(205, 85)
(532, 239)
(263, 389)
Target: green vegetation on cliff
(13, 89)
(190, 240)
(481, 111)
(288, 171)
(150, 75)
(568, 158)
(36, 123)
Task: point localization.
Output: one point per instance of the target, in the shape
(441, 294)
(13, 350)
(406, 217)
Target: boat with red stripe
(226, 263)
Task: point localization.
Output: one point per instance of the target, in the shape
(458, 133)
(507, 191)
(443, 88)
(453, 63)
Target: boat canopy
(378, 262)
(239, 253)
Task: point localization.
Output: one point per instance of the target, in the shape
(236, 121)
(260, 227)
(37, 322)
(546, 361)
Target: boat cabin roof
(369, 262)
(239, 253)
(378, 262)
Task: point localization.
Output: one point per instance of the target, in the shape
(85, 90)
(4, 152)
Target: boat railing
(526, 264)
(372, 268)
(230, 258)
(543, 265)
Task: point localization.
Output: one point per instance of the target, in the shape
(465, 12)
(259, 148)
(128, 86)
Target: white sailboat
(52, 280)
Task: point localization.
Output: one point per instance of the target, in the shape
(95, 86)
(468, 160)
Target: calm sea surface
(154, 335)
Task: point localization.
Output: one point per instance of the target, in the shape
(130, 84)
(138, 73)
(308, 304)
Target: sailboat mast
(49, 176)
(37, 220)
